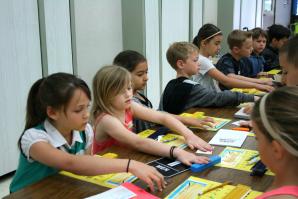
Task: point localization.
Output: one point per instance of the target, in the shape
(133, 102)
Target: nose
(128, 93)
(146, 77)
(86, 114)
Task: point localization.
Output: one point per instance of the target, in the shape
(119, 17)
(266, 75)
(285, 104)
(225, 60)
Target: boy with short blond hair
(236, 64)
(182, 93)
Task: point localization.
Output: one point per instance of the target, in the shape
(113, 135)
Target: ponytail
(36, 112)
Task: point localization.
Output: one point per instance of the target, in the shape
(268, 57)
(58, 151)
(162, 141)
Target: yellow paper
(274, 72)
(170, 138)
(251, 91)
(191, 187)
(107, 180)
(237, 158)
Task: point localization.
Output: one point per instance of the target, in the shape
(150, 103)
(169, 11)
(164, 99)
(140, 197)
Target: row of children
(57, 126)
(249, 56)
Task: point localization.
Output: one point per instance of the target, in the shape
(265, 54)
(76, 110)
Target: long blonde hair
(108, 82)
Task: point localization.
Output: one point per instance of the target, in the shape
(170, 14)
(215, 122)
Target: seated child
(288, 57)
(57, 136)
(137, 65)
(259, 38)
(113, 111)
(208, 41)
(274, 120)
(236, 63)
(277, 36)
(182, 93)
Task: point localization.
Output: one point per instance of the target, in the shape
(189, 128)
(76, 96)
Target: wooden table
(59, 186)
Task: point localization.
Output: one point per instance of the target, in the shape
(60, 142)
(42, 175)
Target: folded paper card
(226, 137)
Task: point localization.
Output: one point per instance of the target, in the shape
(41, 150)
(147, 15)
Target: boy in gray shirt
(182, 93)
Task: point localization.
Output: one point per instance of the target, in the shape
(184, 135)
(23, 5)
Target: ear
(235, 49)
(278, 150)
(52, 113)
(203, 43)
(180, 64)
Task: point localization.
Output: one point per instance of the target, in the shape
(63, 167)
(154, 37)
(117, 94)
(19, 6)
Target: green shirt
(29, 172)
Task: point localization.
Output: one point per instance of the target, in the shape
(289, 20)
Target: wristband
(172, 152)
(127, 168)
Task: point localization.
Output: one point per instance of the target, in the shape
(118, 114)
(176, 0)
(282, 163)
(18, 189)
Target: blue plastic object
(200, 167)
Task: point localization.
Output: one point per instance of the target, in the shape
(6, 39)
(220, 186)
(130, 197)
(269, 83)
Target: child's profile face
(289, 71)
(122, 100)
(259, 44)
(139, 76)
(213, 46)
(77, 113)
(191, 65)
(263, 145)
(246, 48)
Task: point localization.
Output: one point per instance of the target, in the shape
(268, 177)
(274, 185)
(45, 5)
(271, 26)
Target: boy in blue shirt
(236, 64)
(259, 38)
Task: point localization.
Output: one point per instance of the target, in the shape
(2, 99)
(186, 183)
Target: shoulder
(89, 130)
(206, 64)
(226, 59)
(32, 136)
(189, 81)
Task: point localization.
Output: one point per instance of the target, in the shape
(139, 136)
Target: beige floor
(4, 185)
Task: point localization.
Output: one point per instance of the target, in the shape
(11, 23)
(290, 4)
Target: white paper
(205, 152)
(237, 123)
(241, 115)
(119, 192)
(226, 137)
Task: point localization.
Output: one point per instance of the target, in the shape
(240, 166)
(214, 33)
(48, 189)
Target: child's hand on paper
(246, 123)
(248, 109)
(194, 142)
(148, 174)
(188, 158)
(199, 123)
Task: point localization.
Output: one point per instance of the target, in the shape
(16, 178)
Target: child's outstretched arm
(110, 125)
(169, 121)
(92, 165)
(194, 122)
(266, 84)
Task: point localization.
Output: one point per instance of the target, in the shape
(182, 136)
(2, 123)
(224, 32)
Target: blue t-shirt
(228, 64)
(257, 62)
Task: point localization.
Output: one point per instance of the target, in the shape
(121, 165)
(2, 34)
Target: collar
(57, 139)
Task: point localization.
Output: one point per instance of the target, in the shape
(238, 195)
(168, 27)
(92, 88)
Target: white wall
(210, 11)
(20, 66)
(56, 36)
(174, 27)
(97, 35)
(152, 54)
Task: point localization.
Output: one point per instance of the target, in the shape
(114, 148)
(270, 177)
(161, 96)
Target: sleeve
(30, 137)
(202, 97)
(225, 65)
(89, 135)
(206, 65)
